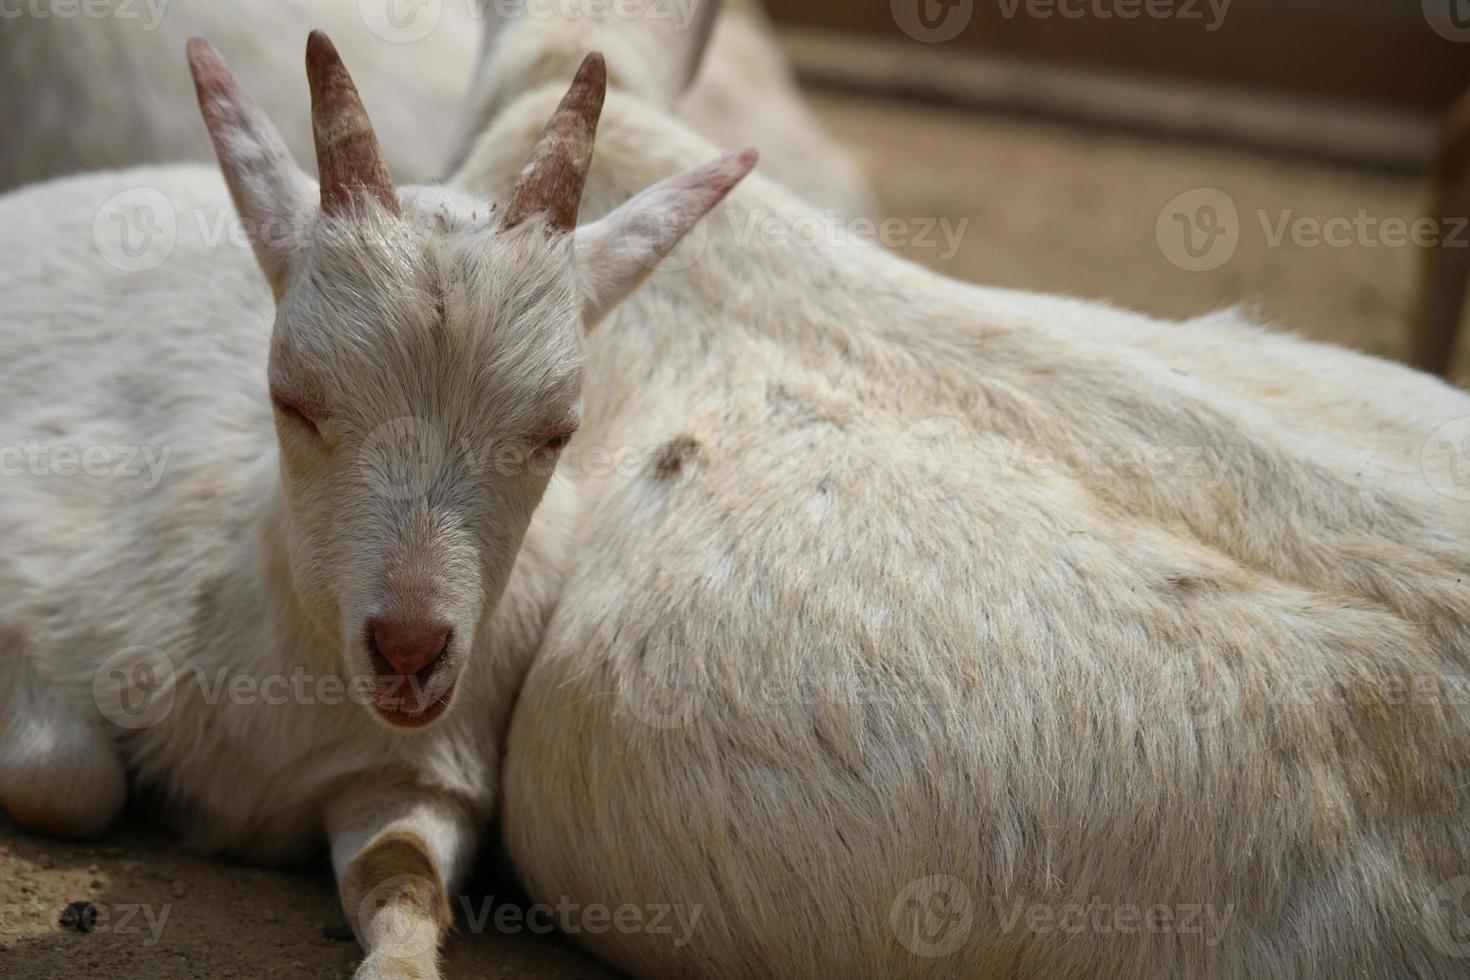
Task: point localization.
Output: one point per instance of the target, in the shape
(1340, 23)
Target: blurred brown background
(1066, 131)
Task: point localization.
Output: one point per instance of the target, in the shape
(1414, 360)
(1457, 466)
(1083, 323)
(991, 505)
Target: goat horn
(552, 181)
(348, 159)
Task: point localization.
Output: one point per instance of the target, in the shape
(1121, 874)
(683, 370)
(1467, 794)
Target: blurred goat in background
(101, 93)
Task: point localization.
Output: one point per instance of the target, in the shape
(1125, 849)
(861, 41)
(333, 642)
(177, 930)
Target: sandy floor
(163, 914)
(1061, 209)
(1049, 207)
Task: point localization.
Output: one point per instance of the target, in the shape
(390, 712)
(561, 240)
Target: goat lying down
(92, 93)
(722, 73)
(909, 618)
(956, 632)
(351, 504)
(88, 92)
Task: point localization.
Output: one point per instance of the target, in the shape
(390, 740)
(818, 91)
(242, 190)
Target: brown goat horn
(348, 159)
(553, 179)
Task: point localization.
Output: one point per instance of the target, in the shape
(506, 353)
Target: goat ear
(616, 253)
(273, 196)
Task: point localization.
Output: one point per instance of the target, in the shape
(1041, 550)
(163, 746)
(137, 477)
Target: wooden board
(1369, 50)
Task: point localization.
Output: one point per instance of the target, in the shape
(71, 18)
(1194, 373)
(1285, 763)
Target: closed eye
(556, 439)
(293, 411)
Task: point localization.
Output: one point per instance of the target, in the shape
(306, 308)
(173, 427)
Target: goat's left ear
(270, 192)
(616, 253)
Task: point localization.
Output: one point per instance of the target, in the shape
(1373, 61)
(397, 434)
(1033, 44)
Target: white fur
(1122, 621)
(436, 352)
(100, 92)
(728, 80)
(745, 94)
(87, 93)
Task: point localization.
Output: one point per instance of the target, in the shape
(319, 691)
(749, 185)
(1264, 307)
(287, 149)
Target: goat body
(103, 92)
(283, 548)
(947, 631)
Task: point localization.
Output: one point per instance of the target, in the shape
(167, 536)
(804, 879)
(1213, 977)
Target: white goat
(100, 92)
(717, 67)
(960, 632)
(368, 539)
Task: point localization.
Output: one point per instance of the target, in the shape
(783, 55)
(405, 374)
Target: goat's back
(927, 630)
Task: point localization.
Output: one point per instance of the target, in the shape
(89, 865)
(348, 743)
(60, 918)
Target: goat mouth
(401, 717)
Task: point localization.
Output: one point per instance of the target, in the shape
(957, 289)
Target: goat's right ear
(616, 253)
(275, 199)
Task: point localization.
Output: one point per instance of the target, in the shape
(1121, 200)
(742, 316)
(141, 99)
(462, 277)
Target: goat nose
(408, 645)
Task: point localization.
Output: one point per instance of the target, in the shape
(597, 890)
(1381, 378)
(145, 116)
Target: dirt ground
(164, 914)
(1050, 207)
(1065, 209)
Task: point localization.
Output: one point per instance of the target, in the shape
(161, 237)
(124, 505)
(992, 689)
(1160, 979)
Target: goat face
(425, 371)
(426, 363)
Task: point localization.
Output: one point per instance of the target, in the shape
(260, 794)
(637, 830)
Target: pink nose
(408, 645)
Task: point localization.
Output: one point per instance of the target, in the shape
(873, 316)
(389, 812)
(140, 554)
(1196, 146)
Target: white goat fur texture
(62, 114)
(91, 93)
(212, 567)
(875, 681)
(436, 353)
(742, 91)
(789, 678)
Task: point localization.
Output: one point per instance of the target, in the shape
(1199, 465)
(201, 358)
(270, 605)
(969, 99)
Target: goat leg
(398, 852)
